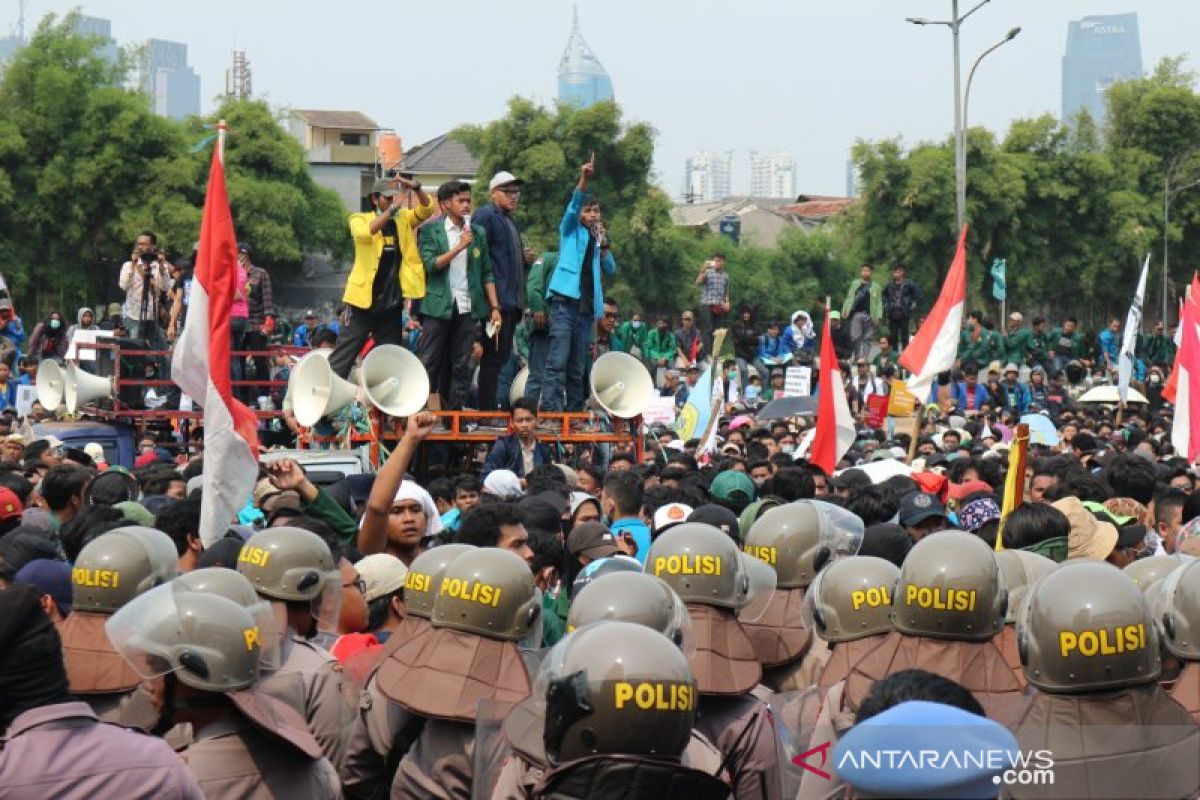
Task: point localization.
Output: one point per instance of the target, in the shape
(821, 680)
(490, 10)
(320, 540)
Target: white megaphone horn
(621, 385)
(50, 385)
(82, 388)
(316, 390)
(518, 386)
(394, 380)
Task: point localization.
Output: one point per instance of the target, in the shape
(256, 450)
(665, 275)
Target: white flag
(1133, 324)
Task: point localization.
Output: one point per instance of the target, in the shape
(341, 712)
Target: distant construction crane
(237, 77)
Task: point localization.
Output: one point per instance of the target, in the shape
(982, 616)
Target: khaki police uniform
(703, 566)
(310, 680)
(380, 725)
(1089, 645)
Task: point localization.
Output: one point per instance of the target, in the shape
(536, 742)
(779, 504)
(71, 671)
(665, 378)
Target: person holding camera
(144, 278)
(713, 281)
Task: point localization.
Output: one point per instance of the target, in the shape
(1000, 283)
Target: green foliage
(85, 166)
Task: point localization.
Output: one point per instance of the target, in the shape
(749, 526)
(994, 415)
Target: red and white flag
(835, 424)
(935, 346)
(1185, 426)
(1188, 310)
(201, 361)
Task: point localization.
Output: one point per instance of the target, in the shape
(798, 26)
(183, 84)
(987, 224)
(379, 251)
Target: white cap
(503, 179)
(1016, 316)
(382, 573)
(53, 440)
(671, 514)
(94, 451)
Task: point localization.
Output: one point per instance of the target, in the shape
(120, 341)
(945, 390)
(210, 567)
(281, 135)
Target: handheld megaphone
(394, 380)
(621, 385)
(518, 386)
(50, 385)
(82, 388)
(316, 390)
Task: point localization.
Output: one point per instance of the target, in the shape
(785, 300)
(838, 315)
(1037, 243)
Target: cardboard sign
(797, 382)
(660, 411)
(901, 402)
(877, 409)
(77, 349)
(25, 397)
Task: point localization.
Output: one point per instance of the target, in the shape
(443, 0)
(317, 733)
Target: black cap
(1131, 535)
(917, 507)
(244, 248)
(718, 517)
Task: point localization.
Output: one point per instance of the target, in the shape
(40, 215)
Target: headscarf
(504, 484)
(410, 490)
(805, 332)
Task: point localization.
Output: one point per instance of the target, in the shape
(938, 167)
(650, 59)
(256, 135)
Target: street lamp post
(1008, 37)
(960, 145)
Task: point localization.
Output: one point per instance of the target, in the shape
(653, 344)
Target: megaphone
(621, 385)
(82, 388)
(518, 386)
(394, 380)
(316, 390)
(50, 385)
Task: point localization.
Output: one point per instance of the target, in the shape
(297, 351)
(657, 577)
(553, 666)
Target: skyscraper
(708, 177)
(173, 86)
(772, 175)
(1101, 50)
(582, 79)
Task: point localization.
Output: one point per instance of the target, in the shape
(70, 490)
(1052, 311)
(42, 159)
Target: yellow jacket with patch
(368, 247)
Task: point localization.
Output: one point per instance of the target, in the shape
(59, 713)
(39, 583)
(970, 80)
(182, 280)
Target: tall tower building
(173, 86)
(772, 175)
(708, 177)
(1101, 50)
(238, 82)
(582, 79)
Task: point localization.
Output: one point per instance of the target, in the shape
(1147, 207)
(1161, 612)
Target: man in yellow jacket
(384, 240)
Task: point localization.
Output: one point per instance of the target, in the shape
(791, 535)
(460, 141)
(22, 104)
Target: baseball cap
(50, 577)
(671, 514)
(382, 573)
(94, 451)
(244, 248)
(916, 507)
(719, 517)
(53, 441)
(385, 187)
(1010, 367)
(1017, 316)
(593, 540)
(310, 313)
(10, 504)
(503, 178)
(730, 482)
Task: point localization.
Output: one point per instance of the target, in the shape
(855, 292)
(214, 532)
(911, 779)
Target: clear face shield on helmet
(270, 621)
(327, 605)
(174, 627)
(759, 578)
(841, 532)
(603, 566)
(531, 640)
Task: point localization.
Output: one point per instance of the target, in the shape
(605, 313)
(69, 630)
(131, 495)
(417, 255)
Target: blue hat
(49, 577)
(922, 749)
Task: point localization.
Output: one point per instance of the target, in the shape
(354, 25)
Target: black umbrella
(786, 407)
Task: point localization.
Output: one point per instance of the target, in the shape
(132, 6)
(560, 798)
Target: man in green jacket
(459, 293)
(539, 321)
(863, 307)
(634, 332)
(978, 344)
(659, 351)
(1157, 348)
(1066, 344)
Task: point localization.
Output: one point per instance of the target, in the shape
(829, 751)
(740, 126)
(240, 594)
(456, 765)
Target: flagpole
(221, 140)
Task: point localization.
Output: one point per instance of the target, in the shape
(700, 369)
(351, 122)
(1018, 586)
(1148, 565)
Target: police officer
(1174, 604)
(1089, 646)
(295, 570)
(486, 603)
(111, 570)
(620, 706)
(947, 609)
(1145, 572)
(382, 731)
(797, 540)
(208, 648)
(633, 597)
(848, 606)
(706, 570)
(1020, 570)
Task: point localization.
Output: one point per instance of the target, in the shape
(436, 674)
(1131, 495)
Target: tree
(546, 148)
(86, 166)
(277, 207)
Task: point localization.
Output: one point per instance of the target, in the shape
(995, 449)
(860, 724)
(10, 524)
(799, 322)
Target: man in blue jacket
(521, 453)
(575, 297)
(510, 259)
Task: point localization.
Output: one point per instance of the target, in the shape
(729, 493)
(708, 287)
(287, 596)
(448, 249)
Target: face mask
(636, 324)
(55, 324)
(733, 373)
(788, 448)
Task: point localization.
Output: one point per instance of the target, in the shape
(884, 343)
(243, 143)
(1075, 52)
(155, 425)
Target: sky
(801, 76)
